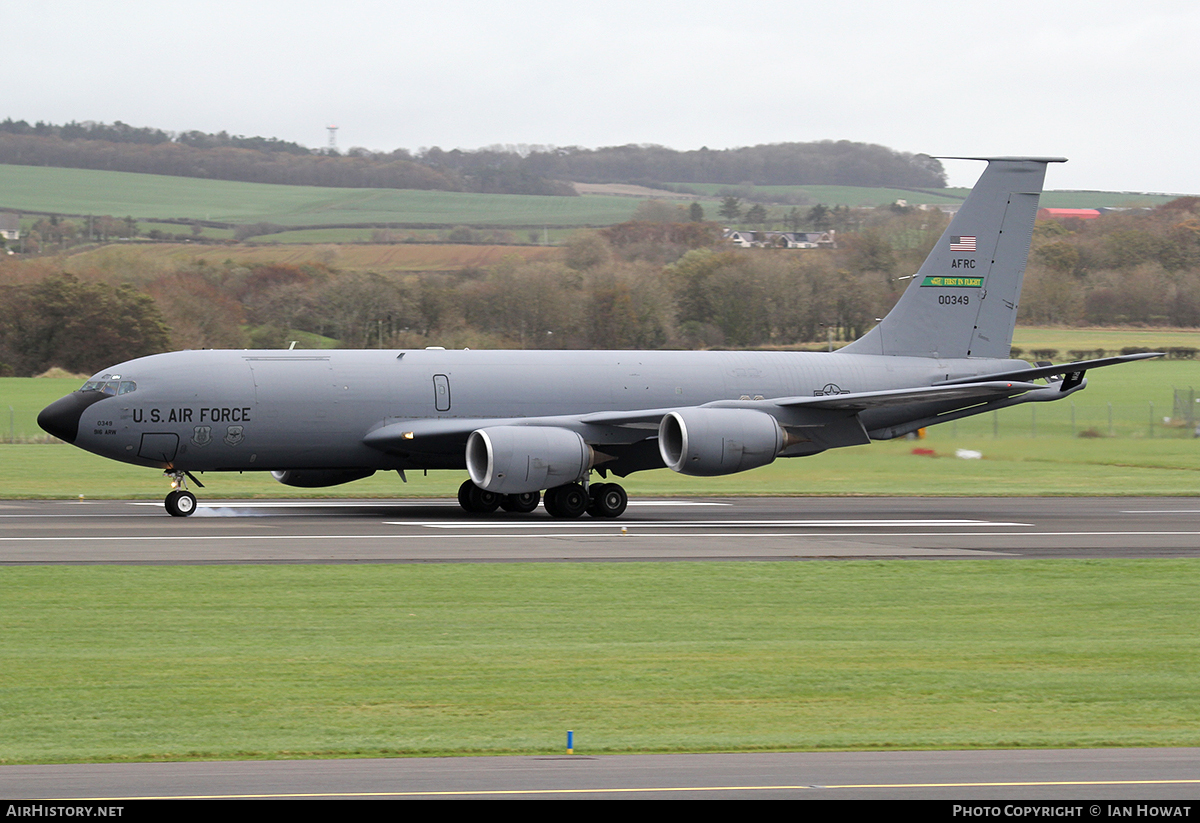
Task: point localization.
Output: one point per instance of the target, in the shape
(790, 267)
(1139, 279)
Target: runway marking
(645, 790)
(305, 504)
(690, 524)
(59, 516)
(358, 504)
(674, 503)
(689, 535)
(1163, 511)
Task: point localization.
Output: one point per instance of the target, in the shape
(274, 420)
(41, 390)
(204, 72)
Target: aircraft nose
(61, 418)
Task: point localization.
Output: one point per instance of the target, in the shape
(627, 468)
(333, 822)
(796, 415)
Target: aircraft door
(160, 446)
(441, 392)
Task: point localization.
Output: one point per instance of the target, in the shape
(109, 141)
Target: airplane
(526, 422)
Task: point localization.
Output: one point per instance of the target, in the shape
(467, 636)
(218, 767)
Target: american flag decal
(964, 243)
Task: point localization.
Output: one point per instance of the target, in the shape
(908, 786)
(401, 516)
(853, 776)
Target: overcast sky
(1109, 85)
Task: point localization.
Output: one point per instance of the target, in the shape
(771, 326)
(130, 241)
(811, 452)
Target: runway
(1083, 776)
(421, 531)
(680, 530)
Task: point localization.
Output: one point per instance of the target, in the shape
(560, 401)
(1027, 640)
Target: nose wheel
(180, 502)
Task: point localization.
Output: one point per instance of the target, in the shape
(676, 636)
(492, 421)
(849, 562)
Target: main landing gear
(568, 502)
(180, 502)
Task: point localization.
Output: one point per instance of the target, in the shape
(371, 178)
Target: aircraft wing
(443, 434)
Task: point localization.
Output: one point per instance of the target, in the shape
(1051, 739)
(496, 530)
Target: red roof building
(1063, 214)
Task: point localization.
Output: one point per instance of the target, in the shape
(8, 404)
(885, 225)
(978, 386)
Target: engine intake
(520, 459)
(711, 442)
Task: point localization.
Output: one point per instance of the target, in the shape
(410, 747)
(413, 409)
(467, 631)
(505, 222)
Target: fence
(1070, 419)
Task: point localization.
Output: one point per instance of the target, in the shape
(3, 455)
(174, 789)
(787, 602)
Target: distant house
(782, 239)
(10, 225)
(945, 208)
(820, 239)
(744, 239)
(1063, 214)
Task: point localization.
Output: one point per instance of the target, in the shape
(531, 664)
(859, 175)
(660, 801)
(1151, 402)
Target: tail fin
(963, 301)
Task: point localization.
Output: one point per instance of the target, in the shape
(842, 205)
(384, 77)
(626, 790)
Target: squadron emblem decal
(234, 436)
(202, 435)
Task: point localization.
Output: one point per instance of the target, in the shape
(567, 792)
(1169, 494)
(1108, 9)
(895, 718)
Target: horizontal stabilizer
(1050, 371)
(968, 392)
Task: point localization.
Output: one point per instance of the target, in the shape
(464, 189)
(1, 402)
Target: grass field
(148, 196)
(1110, 339)
(1013, 465)
(863, 196)
(231, 662)
(127, 663)
(830, 195)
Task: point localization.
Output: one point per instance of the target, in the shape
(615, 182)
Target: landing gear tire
(476, 500)
(521, 503)
(567, 502)
(180, 503)
(608, 500)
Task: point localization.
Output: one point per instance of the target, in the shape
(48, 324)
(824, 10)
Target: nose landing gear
(180, 502)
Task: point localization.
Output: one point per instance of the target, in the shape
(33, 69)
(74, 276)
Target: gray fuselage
(277, 410)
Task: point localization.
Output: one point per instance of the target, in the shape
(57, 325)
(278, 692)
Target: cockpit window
(110, 384)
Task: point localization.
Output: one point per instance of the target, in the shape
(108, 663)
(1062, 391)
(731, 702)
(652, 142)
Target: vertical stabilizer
(963, 301)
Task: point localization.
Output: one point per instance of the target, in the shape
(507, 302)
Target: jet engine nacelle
(710, 442)
(520, 459)
(316, 478)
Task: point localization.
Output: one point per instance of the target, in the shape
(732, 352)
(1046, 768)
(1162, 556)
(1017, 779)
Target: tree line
(510, 169)
(643, 284)
(649, 283)
(1141, 267)
(825, 162)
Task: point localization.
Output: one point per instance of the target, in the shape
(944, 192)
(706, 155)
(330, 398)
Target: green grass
(831, 195)
(1101, 199)
(1110, 339)
(148, 196)
(1016, 465)
(145, 663)
(1083, 199)
(21, 398)
(866, 196)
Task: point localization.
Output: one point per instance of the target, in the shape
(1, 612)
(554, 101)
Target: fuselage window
(127, 386)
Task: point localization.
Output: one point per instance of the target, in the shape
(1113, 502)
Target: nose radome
(61, 418)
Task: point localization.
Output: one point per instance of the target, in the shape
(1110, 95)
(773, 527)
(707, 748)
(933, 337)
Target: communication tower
(332, 137)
